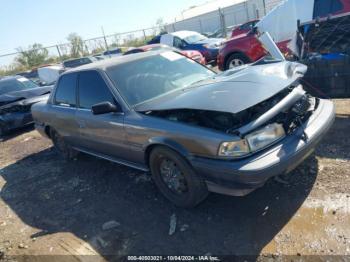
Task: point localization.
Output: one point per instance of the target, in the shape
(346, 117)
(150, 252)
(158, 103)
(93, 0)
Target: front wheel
(176, 179)
(65, 150)
(235, 60)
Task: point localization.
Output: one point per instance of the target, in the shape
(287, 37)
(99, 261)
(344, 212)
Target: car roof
(74, 59)
(183, 33)
(113, 61)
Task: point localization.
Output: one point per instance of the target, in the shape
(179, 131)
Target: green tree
(35, 55)
(77, 45)
(160, 25)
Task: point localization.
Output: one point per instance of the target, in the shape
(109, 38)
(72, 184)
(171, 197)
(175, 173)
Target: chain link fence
(9, 63)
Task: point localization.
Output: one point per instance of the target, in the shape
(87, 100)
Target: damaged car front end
(16, 100)
(267, 123)
(195, 130)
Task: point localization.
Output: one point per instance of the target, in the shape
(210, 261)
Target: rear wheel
(176, 179)
(62, 147)
(235, 60)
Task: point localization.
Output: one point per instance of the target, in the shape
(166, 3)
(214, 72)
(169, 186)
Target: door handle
(81, 123)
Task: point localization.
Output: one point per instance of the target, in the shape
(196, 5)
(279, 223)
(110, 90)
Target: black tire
(196, 190)
(236, 57)
(65, 150)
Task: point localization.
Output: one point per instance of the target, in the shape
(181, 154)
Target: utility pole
(59, 52)
(104, 37)
(144, 35)
(222, 22)
(264, 4)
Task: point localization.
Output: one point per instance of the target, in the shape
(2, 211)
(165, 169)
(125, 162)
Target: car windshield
(13, 85)
(157, 75)
(191, 39)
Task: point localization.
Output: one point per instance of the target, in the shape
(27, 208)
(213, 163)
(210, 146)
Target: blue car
(189, 40)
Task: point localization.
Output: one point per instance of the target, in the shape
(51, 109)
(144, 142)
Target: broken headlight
(234, 149)
(252, 142)
(265, 136)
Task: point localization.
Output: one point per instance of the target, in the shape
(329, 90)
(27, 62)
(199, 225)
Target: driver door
(101, 134)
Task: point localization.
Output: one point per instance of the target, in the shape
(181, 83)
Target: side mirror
(104, 108)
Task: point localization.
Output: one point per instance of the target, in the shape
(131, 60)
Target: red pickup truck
(245, 48)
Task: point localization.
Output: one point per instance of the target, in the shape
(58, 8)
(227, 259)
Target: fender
(163, 141)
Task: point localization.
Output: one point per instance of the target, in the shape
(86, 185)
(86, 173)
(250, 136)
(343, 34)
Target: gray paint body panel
(124, 138)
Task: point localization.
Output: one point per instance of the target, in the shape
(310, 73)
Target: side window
(177, 42)
(247, 26)
(93, 90)
(66, 90)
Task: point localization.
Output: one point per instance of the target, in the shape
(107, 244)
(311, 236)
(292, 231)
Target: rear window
(66, 90)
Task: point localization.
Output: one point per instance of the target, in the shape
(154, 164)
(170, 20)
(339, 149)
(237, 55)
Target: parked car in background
(189, 40)
(50, 74)
(32, 75)
(245, 48)
(195, 130)
(156, 39)
(113, 52)
(72, 63)
(99, 56)
(244, 28)
(17, 95)
(219, 33)
(240, 50)
(192, 54)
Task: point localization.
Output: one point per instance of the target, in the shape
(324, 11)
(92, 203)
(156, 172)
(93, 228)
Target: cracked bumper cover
(240, 177)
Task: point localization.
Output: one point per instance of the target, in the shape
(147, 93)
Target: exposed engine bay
(230, 123)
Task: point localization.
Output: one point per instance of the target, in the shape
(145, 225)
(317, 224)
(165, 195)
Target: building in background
(215, 15)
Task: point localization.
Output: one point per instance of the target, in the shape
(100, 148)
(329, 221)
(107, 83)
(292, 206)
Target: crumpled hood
(24, 94)
(232, 91)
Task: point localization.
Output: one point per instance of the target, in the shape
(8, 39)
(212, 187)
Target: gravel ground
(97, 208)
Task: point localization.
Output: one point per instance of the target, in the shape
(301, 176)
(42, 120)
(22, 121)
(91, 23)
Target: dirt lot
(94, 207)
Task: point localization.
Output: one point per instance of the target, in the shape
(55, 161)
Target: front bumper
(210, 55)
(220, 61)
(16, 120)
(240, 177)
